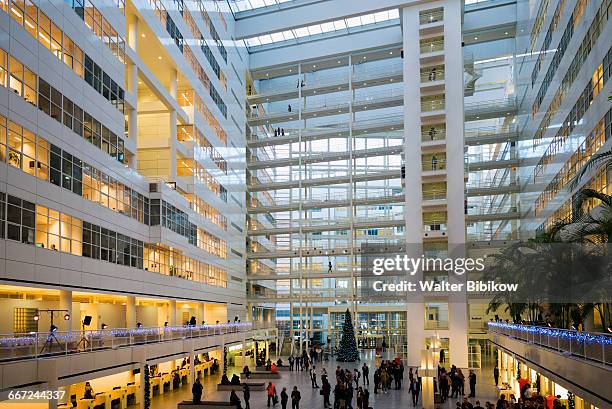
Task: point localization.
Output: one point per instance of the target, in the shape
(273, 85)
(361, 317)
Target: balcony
(436, 324)
(58, 343)
(434, 195)
(433, 164)
(430, 105)
(431, 16)
(596, 347)
(431, 46)
(577, 360)
(432, 74)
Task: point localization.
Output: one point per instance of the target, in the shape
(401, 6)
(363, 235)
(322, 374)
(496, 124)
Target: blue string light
(583, 337)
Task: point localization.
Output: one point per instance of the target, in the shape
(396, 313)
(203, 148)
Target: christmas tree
(348, 346)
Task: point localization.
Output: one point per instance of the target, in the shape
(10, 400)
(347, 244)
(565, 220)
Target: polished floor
(485, 391)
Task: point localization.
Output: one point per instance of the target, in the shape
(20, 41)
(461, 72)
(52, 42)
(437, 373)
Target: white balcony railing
(588, 345)
(55, 343)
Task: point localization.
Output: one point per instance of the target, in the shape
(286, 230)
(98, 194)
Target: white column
(49, 369)
(191, 356)
(173, 90)
(453, 69)
(415, 319)
(132, 31)
(141, 391)
(202, 308)
(172, 313)
(132, 82)
(130, 312)
(65, 303)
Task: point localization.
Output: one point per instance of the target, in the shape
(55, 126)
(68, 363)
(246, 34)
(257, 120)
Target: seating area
(253, 386)
(261, 375)
(278, 368)
(107, 395)
(187, 404)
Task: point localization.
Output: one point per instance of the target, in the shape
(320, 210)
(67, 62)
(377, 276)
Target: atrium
(192, 190)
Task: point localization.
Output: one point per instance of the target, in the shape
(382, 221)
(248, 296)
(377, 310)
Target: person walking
(414, 390)
(442, 357)
(196, 391)
(365, 371)
(271, 389)
(284, 398)
(472, 380)
(246, 394)
(289, 108)
(356, 378)
(295, 398)
(496, 375)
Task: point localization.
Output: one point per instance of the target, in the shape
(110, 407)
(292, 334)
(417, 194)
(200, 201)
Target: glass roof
(315, 29)
(244, 5)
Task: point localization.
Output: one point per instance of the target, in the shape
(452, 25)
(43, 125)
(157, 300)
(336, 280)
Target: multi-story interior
(218, 167)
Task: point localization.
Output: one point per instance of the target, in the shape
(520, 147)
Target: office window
(73, 56)
(20, 220)
(3, 135)
(3, 68)
(22, 81)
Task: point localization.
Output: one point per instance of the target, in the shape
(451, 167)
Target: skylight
(316, 29)
(244, 5)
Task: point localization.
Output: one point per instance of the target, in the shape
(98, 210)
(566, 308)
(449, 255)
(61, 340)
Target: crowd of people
(351, 388)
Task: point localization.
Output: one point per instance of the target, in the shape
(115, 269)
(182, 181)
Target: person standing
(284, 398)
(365, 371)
(246, 394)
(414, 390)
(356, 378)
(291, 361)
(196, 391)
(496, 375)
(89, 392)
(295, 398)
(313, 377)
(271, 389)
(326, 391)
(366, 399)
(461, 381)
(472, 380)
(376, 381)
(442, 357)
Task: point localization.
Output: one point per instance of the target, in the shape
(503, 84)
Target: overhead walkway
(327, 225)
(500, 164)
(497, 216)
(475, 111)
(392, 126)
(307, 274)
(330, 84)
(325, 157)
(327, 204)
(333, 180)
(492, 135)
(333, 106)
